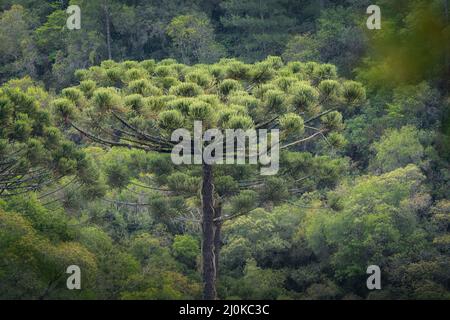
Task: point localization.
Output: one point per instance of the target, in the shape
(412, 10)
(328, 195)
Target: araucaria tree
(140, 104)
(33, 152)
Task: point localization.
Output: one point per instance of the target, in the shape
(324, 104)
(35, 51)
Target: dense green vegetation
(86, 178)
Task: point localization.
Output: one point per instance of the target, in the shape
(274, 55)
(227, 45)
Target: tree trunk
(208, 263)
(108, 31)
(217, 235)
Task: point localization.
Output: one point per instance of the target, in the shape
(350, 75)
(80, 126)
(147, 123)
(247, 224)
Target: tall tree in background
(18, 53)
(97, 15)
(339, 39)
(256, 28)
(193, 40)
(107, 15)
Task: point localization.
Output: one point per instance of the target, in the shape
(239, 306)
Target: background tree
(397, 149)
(33, 265)
(193, 39)
(18, 52)
(256, 28)
(339, 39)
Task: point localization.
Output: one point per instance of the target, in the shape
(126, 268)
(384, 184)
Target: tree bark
(208, 263)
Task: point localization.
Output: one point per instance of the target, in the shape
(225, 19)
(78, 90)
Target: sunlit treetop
(139, 104)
